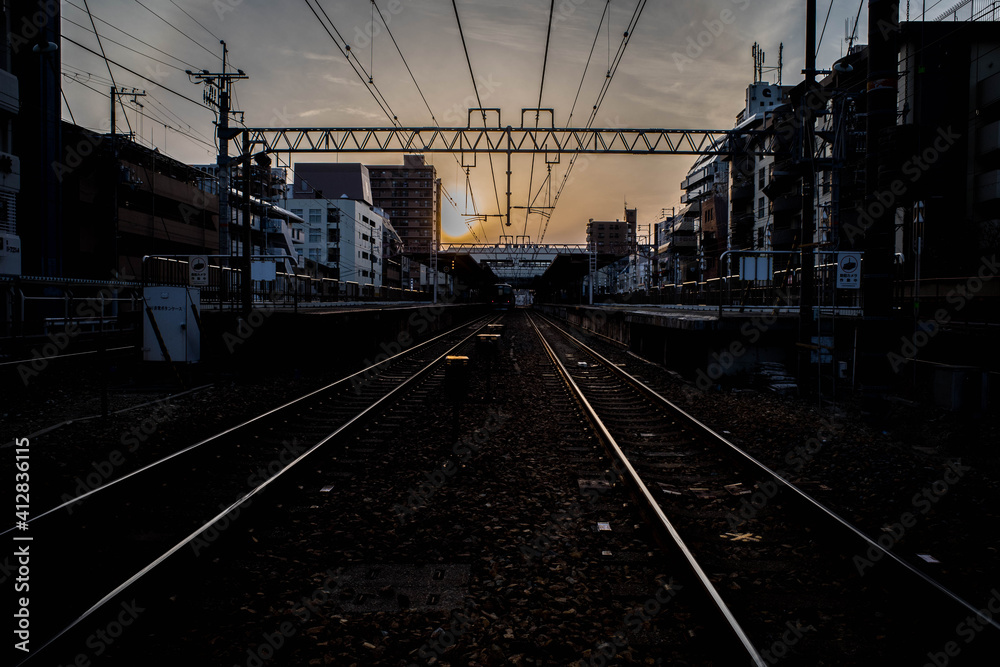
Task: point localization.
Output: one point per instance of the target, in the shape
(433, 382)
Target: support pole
(807, 148)
(246, 283)
(878, 240)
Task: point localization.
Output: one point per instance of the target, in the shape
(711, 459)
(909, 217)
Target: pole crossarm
(598, 141)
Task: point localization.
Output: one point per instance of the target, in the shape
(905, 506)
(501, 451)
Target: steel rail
(636, 481)
(196, 445)
(767, 471)
(250, 494)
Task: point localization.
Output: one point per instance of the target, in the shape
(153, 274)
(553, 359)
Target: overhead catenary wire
(125, 46)
(187, 36)
(413, 78)
(479, 101)
(133, 72)
(195, 20)
(114, 27)
(541, 88)
(369, 87)
(626, 38)
(347, 50)
(108, 65)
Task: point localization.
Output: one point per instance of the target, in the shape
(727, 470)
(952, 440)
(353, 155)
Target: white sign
(756, 268)
(849, 270)
(262, 270)
(198, 270)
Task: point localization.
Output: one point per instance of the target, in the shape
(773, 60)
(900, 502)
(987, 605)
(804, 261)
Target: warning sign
(849, 270)
(198, 270)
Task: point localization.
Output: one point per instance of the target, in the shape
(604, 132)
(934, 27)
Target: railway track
(99, 544)
(778, 565)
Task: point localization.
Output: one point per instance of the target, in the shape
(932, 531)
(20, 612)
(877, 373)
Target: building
(119, 210)
(705, 202)
(10, 165)
(612, 238)
(410, 194)
(346, 235)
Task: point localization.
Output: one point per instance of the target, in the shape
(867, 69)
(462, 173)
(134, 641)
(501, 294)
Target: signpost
(198, 270)
(849, 270)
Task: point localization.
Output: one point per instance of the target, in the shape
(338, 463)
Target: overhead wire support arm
(474, 140)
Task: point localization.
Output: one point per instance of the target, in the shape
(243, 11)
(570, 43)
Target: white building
(343, 234)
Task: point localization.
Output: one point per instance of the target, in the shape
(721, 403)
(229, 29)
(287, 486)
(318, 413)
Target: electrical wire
(108, 65)
(475, 88)
(541, 88)
(124, 46)
(114, 27)
(187, 36)
(144, 78)
(347, 46)
(368, 87)
(195, 20)
(626, 37)
(823, 31)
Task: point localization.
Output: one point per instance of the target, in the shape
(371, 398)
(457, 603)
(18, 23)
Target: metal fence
(222, 284)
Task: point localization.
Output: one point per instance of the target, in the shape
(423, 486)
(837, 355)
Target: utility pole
(218, 86)
(116, 93)
(807, 147)
(878, 240)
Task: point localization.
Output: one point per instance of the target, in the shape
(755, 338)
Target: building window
(314, 216)
(760, 179)
(314, 254)
(760, 207)
(297, 211)
(333, 215)
(315, 235)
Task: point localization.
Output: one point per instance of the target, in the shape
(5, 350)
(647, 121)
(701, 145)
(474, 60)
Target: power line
(371, 78)
(106, 64)
(195, 20)
(72, 4)
(541, 87)
(405, 64)
(124, 46)
(626, 38)
(191, 39)
(132, 71)
(383, 107)
(475, 88)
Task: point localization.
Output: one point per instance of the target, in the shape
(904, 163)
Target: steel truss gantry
(476, 140)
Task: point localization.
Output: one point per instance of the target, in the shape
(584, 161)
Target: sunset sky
(298, 78)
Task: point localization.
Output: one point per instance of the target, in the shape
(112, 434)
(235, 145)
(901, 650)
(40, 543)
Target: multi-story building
(344, 234)
(410, 194)
(705, 201)
(612, 238)
(749, 173)
(10, 165)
